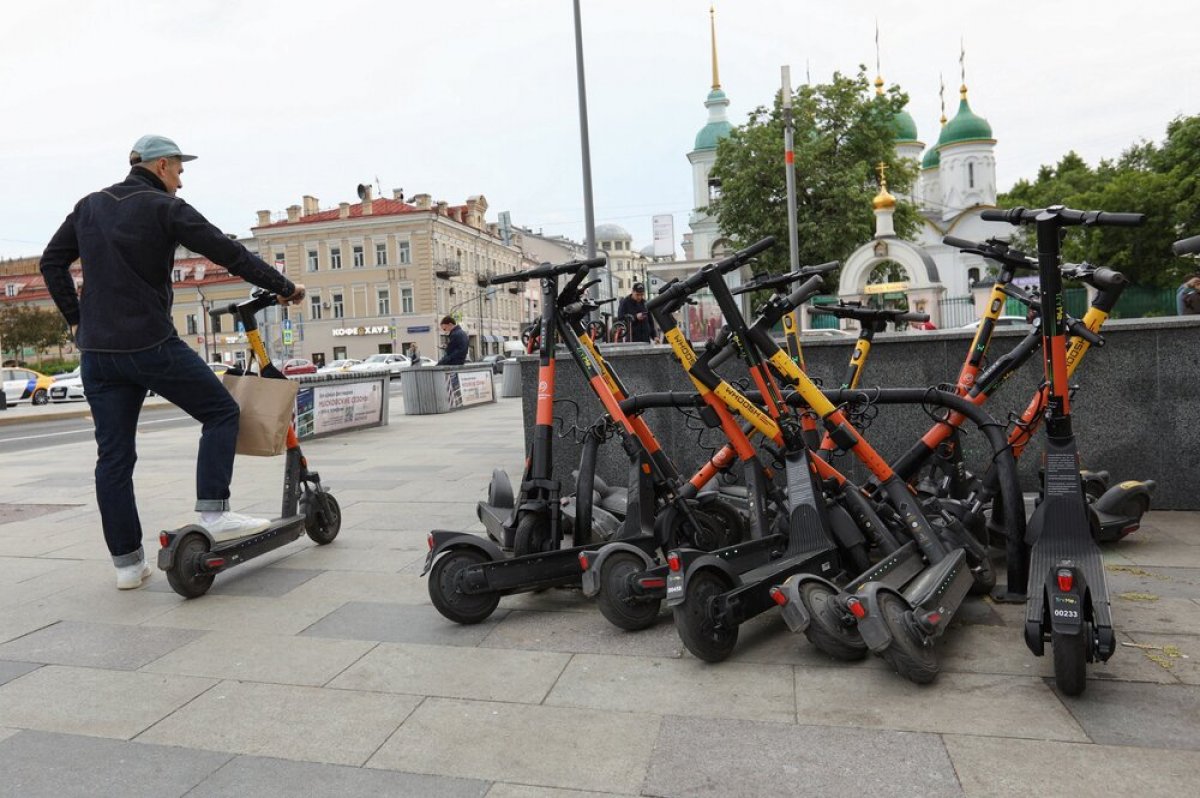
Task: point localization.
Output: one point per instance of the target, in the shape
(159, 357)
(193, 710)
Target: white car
(67, 390)
(338, 365)
(1003, 321)
(389, 362)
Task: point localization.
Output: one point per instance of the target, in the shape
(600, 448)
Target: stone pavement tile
(545, 746)
(98, 703)
(61, 765)
(1154, 580)
(249, 581)
(95, 598)
(1181, 524)
(500, 790)
(455, 672)
(990, 767)
(32, 544)
(1161, 551)
(377, 539)
(677, 687)
(1148, 715)
(11, 670)
(732, 758)
(6, 733)
(342, 558)
(91, 549)
(1178, 655)
(400, 623)
(1134, 614)
(277, 659)
(263, 777)
(308, 723)
(96, 645)
(584, 633)
(556, 599)
(17, 622)
(767, 639)
(245, 614)
(985, 649)
(965, 703)
(410, 515)
(14, 570)
(342, 586)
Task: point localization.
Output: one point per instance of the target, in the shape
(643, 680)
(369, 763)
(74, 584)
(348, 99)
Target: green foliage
(841, 131)
(24, 326)
(1161, 181)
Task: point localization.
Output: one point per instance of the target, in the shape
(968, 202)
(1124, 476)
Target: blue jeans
(115, 384)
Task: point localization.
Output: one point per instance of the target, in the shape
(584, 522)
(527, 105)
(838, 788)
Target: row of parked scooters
(881, 564)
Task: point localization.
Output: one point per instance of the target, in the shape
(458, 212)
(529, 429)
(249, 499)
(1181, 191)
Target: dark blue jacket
(456, 348)
(641, 330)
(125, 236)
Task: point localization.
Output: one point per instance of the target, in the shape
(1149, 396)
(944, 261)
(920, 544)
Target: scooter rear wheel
(322, 518)
(693, 619)
(909, 653)
(464, 608)
(1070, 660)
(825, 628)
(617, 602)
(184, 575)
(532, 535)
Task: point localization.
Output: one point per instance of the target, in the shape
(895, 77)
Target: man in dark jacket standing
(125, 237)
(633, 307)
(456, 343)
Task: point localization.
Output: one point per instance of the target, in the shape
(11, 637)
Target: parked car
(298, 365)
(26, 385)
(218, 368)
(495, 361)
(67, 375)
(388, 361)
(336, 366)
(67, 389)
(1003, 321)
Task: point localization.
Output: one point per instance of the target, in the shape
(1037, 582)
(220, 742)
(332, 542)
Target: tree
(841, 131)
(26, 326)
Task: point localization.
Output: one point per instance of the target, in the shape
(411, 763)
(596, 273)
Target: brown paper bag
(267, 406)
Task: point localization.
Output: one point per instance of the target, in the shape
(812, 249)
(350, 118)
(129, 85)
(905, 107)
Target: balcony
(447, 269)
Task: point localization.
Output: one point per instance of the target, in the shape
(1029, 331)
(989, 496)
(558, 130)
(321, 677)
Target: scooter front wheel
(700, 633)
(532, 535)
(617, 601)
(1070, 660)
(322, 518)
(184, 575)
(826, 630)
(464, 608)
(909, 653)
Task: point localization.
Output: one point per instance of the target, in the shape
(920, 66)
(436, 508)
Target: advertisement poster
(465, 388)
(304, 413)
(341, 406)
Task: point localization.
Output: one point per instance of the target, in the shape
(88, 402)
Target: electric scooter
(190, 556)
(1067, 601)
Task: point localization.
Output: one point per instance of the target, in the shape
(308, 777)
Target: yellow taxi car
(25, 385)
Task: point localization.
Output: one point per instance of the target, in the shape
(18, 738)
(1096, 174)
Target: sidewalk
(326, 671)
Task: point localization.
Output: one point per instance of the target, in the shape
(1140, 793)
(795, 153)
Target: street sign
(287, 337)
(287, 324)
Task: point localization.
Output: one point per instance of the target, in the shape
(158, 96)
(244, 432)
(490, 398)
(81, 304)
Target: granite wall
(1136, 411)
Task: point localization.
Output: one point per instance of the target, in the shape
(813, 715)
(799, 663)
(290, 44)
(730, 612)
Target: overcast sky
(281, 98)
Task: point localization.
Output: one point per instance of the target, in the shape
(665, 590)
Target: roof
(965, 126)
(379, 207)
(904, 127)
(931, 160)
(718, 127)
(612, 232)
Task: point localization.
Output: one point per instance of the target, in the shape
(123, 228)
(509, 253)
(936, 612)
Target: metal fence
(1136, 302)
(956, 311)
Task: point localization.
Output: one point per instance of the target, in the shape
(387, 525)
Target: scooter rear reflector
(652, 582)
(1066, 580)
(857, 609)
(1131, 528)
(214, 562)
(583, 561)
(429, 540)
(778, 596)
(673, 562)
(163, 540)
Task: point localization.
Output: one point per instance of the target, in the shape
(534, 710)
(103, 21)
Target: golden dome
(883, 199)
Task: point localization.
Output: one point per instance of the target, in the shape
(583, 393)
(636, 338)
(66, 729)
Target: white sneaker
(229, 526)
(130, 577)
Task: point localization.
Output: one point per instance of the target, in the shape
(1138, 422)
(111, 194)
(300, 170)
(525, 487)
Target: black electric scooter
(1067, 600)
(190, 556)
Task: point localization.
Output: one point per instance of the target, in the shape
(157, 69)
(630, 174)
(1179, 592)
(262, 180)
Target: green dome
(965, 126)
(717, 128)
(904, 127)
(931, 160)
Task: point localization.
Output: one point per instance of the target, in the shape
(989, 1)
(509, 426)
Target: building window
(360, 259)
(385, 302)
(10, 289)
(176, 275)
(381, 254)
(314, 306)
(312, 260)
(338, 306)
(216, 323)
(335, 257)
(972, 276)
(191, 324)
(405, 252)
(281, 262)
(970, 175)
(406, 300)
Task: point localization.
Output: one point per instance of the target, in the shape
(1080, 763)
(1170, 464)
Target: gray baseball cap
(151, 148)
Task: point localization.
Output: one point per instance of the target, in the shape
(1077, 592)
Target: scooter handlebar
(1065, 216)
(547, 270)
(1187, 246)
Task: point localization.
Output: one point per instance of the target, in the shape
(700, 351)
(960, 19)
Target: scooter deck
(752, 596)
(1064, 533)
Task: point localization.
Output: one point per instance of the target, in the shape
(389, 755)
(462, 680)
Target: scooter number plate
(1065, 607)
(674, 588)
